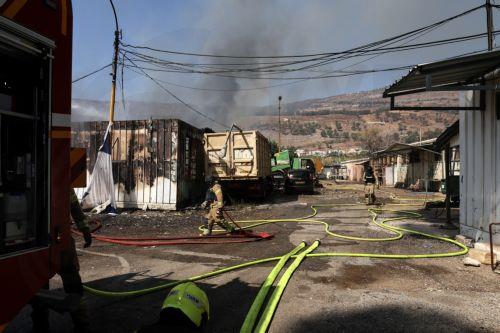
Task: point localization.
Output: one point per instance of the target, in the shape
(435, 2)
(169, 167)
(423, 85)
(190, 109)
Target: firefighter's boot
(207, 231)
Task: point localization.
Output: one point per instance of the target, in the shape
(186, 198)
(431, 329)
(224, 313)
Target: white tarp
(100, 193)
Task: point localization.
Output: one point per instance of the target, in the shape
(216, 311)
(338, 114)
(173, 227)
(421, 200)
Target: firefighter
(70, 276)
(214, 202)
(370, 178)
(186, 309)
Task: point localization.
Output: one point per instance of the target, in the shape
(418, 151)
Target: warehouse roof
(446, 73)
(401, 148)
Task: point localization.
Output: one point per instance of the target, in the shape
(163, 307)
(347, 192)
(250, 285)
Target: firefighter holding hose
(214, 202)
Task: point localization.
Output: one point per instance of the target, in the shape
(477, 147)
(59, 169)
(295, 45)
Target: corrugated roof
(356, 161)
(445, 73)
(400, 148)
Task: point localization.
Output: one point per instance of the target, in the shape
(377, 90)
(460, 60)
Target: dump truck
(240, 161)
(282, 162)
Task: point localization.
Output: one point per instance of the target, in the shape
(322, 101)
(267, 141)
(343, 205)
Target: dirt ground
(326, 294)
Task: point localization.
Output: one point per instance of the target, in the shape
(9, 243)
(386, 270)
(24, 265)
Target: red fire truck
(35, 114)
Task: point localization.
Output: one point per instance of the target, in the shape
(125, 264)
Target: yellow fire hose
(251, 317)
(268, 313)
(398, 233)
(375, 211)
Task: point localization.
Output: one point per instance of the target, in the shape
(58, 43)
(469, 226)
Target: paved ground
(325, 294)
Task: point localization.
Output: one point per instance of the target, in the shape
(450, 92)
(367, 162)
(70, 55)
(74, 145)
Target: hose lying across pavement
(251, 317)
(375, 213)
(274, 299)
(221, 238)
(268, 313)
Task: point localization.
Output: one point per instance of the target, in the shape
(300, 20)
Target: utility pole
(116, 46)
(489, 25)
(279, 123)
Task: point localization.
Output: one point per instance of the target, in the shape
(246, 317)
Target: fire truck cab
(35, 114)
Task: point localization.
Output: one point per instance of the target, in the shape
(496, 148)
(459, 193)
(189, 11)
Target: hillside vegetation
(350, 120)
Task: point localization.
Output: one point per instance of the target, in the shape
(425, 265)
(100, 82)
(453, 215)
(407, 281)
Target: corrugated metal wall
(480, 168)
(156, 163)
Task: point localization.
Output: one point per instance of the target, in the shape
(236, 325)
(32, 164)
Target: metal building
(477, 76)
(157, 164)
(415, 165)
(354, 169)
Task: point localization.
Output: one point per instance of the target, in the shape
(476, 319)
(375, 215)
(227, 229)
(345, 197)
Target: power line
(177, 98)
(299, 81)
(91, 73)
(167, 67)
(302, 55)
(342, 74)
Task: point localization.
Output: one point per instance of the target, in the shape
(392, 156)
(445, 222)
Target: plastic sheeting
(100, 192)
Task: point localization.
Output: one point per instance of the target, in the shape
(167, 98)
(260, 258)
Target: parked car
(300, 180)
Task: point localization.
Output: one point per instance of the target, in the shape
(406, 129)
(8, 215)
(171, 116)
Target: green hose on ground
(268, 313)
(463, 250)
(252, 314)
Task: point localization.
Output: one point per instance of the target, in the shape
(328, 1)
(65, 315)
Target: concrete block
(471, 262)
(482, 256)
(469, 242)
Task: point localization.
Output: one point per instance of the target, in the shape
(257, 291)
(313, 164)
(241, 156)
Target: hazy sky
(262, 27)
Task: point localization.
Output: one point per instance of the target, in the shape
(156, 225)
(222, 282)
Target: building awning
(358, 161)
(447, 134)
(399, 148)
(450, 74)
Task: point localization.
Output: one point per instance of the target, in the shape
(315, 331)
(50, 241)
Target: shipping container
(240, 160)
(157, 163)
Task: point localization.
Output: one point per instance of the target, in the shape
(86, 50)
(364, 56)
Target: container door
(218, 151)
(243, 154)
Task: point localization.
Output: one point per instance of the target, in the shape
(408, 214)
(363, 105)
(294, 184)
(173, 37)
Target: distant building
(354, 169)
(414, 165)
(479, 132)
(301, 152)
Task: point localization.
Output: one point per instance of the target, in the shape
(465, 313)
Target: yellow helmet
(189, 299)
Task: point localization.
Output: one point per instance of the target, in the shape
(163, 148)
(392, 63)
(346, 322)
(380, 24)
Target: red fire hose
(227, 238)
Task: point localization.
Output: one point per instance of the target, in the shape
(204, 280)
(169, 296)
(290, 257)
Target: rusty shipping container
(241, 161)
(157, 164)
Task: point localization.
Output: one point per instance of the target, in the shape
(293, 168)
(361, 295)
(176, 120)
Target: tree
(371, 140)
(411, 136)
(274, 147)
(338, 125)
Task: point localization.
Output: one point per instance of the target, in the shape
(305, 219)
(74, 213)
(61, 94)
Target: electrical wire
(222, 73)
(302, 55)
(179, 99)
(91, 73)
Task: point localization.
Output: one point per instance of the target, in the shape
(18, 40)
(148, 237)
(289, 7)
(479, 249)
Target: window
(24, 83)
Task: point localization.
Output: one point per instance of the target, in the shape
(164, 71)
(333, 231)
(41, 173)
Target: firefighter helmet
(186, 300)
